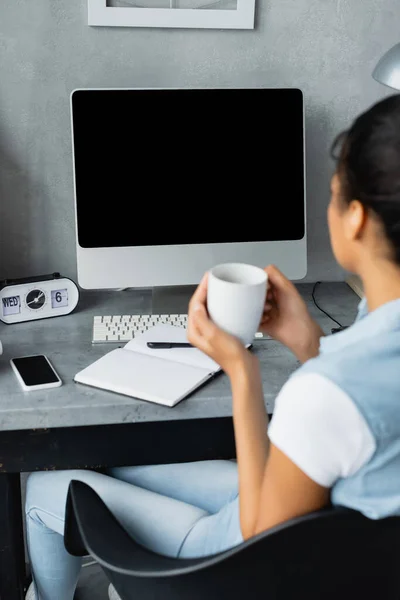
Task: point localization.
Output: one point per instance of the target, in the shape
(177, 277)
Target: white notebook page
(134, 374)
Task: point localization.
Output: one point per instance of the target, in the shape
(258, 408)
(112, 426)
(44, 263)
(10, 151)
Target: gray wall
(326, 47)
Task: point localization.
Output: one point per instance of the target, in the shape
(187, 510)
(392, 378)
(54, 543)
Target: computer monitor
(170, 182)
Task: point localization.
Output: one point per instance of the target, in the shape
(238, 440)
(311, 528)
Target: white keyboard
(122, 328)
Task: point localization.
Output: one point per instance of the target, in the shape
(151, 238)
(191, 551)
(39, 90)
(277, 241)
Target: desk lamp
(387, 71)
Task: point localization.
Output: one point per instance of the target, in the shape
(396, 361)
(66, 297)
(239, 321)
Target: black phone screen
(35, 370)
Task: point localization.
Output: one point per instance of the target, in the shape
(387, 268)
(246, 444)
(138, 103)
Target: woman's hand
(225, 349)
(286, 317)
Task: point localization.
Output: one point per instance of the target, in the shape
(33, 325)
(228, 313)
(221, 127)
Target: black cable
(321, 309)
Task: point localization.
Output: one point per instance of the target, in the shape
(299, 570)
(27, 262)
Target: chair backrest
(333, 554)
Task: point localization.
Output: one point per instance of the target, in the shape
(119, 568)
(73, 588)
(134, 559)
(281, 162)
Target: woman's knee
(48, 490)
(46, 496)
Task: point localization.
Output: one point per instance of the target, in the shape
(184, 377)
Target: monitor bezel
(106, 267)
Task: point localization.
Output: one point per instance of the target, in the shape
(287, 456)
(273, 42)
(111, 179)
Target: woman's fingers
(200, 295)
(276, 277)
(202, 321)
(197, 305)
(195, 333)
(200, 327)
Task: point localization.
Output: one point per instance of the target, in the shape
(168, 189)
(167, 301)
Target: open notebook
(161, 376)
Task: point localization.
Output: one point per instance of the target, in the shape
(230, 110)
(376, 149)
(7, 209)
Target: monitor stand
(171, 300)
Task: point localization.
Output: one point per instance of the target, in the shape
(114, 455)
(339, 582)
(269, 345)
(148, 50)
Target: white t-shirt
(320, 429)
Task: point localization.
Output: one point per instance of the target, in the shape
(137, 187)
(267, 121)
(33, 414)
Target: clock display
(59, 298)
(35, 299)
(11, 305)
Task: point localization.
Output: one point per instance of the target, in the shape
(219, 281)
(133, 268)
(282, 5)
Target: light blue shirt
(364, 361)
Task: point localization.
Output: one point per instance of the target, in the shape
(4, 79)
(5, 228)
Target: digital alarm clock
(40, 297)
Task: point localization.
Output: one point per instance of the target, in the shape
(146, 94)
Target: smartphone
(35, 372)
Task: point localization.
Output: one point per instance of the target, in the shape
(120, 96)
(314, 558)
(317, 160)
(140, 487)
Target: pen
(166, 345)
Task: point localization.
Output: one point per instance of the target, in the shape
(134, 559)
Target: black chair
(333, 554)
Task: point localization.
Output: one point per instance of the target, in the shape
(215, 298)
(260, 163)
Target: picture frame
(197, 14)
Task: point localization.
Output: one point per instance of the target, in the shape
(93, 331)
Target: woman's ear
(355, 218)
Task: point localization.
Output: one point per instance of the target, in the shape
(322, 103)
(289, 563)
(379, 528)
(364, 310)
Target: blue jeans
(180, 510)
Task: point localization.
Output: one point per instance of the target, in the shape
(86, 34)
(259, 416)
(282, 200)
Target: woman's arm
(250, 423)
(272, 489)
(286, 493)
(265, 474)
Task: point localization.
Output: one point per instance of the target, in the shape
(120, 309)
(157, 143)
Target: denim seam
(190, 529)
(43, 511)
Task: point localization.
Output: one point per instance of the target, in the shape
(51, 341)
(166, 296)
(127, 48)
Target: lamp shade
(387, 71)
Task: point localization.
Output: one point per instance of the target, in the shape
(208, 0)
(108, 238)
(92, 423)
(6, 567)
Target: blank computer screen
(188, 166)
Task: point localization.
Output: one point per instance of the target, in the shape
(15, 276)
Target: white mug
(236, 298)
